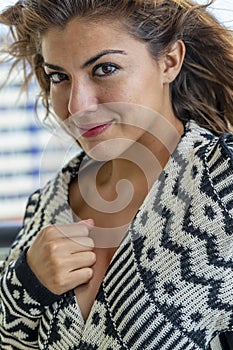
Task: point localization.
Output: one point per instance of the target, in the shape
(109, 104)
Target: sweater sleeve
(220, 168)
(219, 163)
(23, 300)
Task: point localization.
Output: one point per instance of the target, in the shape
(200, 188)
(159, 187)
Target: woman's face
(105, 85)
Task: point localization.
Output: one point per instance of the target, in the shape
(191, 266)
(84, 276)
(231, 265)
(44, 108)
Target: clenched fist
(62, 256)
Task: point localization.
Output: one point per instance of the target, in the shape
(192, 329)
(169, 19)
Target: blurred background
(29, 154)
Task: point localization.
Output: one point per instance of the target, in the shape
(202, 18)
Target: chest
(112, 218)
(86, 293)
(107, 234)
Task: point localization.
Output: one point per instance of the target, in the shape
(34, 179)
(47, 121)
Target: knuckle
(57, 263)
(48, 230)
(48, 233)
(50, 249)
(52, 259)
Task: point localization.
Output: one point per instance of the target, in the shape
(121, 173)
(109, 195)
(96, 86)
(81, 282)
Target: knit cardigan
(169, 285)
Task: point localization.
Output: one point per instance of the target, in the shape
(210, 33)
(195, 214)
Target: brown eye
(105, 69)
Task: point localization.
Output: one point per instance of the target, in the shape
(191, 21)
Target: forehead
(85, 32)
(82, 39)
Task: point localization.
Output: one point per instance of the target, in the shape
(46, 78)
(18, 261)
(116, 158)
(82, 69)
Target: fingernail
(89, 222)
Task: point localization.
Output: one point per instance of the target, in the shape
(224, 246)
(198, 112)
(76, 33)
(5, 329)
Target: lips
(94, 130)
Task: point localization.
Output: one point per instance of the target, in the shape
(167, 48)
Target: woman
(130, 246)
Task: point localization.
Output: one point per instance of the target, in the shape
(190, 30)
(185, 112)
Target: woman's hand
(61, 256)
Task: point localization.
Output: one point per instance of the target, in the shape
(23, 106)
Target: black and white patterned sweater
(169, 285)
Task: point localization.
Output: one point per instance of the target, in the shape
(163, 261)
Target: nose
(82, 98)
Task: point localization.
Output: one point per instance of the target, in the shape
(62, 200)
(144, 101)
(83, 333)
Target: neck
(145, 159)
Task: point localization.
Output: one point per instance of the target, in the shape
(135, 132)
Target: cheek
(59, 103)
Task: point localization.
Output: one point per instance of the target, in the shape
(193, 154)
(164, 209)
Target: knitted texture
(168, 286)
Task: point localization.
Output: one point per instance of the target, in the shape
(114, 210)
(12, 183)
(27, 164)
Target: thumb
(90, 222)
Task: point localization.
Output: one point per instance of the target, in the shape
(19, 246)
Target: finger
(80, 244)
(78, 229)
(62, 283)
(66, 246)
(79, 277)
(81, 260)
(89, 222)
(73, 230)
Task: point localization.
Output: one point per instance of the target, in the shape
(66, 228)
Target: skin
(91, 71)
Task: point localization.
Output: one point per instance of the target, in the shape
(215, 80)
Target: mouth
(89, 131)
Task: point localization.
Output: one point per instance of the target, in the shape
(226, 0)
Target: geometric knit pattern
(169, 285)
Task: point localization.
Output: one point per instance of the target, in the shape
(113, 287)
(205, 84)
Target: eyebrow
(88, 62)
(101, 54)
(52, 66)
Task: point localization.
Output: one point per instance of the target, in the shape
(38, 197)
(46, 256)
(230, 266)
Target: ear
(172, 61)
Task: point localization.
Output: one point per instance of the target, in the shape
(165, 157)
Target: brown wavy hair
(203, 90)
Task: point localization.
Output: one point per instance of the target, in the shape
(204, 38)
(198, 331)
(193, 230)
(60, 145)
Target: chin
(108, 150)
